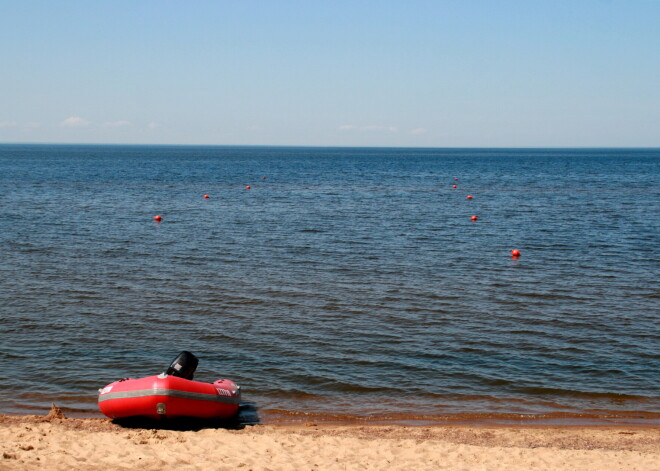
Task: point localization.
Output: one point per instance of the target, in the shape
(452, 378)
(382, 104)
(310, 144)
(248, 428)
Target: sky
(415, 73)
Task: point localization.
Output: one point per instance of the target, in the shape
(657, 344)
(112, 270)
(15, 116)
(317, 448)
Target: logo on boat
(223, 392)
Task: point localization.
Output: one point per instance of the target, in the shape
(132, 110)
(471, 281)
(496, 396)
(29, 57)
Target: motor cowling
(183, 366)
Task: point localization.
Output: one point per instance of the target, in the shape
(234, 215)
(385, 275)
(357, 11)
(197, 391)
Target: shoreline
(560, 419)
(303, 420)
(56, 442)
(251, 414)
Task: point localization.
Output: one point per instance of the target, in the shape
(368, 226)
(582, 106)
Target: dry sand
(55, 442)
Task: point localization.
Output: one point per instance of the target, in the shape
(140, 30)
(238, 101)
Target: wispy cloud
(254, 127)
(368, 128)
(74, 122)
(117, 124)
(418, 131)
(153, 125)
(373, 127)
(8, 124)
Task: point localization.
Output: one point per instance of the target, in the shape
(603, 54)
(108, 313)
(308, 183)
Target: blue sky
(334, 73)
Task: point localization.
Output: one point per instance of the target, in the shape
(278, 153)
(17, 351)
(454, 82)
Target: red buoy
(263, 178)
(248, 187)
(453, 186)
(158, 218)
(455, 179)
(515, 253)
(469, 197)
(474, 218)
(206, 196)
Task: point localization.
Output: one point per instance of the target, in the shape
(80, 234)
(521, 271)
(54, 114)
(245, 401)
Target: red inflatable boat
(170, 394)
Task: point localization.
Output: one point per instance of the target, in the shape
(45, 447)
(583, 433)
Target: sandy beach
(56, 442)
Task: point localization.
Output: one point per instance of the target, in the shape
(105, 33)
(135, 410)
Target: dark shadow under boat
(247, 415)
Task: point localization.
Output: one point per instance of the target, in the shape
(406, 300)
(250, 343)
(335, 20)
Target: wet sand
(56, 442)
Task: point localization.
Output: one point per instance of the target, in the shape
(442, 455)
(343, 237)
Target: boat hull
(165, 396)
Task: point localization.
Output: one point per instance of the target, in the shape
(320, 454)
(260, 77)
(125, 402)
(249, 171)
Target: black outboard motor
(183, 366)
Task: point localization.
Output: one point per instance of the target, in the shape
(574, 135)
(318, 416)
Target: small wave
(293, 394)
(542, 391)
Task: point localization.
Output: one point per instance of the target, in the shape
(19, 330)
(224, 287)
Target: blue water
(350, 282)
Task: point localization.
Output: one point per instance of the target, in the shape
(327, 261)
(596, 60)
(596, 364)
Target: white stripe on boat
(170, 393)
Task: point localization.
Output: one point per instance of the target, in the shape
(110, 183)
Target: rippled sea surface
(349, 283)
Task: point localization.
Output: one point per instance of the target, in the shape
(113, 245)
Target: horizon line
(320, 146)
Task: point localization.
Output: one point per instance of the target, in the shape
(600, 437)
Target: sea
(344, 285)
